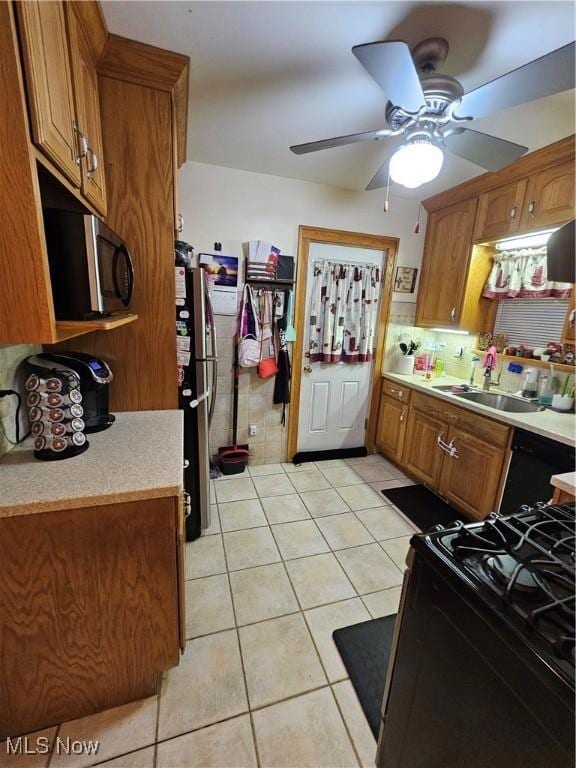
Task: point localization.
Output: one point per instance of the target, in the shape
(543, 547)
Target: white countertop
(139, 457)
(556, 426)
(566, 482)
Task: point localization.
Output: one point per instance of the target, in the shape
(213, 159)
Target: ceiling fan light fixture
(416, 163)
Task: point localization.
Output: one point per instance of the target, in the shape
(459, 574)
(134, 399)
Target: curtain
(343, 312)
(522, 274)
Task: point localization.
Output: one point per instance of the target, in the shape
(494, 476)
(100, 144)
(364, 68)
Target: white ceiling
(265, 75)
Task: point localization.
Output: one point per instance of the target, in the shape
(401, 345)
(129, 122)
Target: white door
(334, 397)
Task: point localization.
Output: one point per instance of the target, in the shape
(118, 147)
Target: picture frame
(405, 279)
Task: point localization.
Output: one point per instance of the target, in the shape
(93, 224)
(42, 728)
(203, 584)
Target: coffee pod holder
(55, 414)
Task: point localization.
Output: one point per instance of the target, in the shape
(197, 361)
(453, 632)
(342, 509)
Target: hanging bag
(267, 367)
(249, 348)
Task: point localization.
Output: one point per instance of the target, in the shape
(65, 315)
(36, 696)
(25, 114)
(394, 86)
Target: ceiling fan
(422, 106)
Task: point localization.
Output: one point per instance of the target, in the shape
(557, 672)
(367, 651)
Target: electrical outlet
(252, 430)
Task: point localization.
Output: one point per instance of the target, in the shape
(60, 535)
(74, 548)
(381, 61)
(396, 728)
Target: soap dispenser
(530, 383)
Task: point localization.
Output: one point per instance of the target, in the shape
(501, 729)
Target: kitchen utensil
(403, 348)
(290, 334)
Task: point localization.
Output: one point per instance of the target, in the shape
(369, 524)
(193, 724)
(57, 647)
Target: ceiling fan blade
(549, 74)
(380, 178)
(391, 65)
(338, 141)
(486, 151)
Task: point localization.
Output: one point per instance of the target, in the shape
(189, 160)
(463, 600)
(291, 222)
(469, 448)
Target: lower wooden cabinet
(471, 473)
(392, 418)
(457, 452)
(90, 609)
(422, 456)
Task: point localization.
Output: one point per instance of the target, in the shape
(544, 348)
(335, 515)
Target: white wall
(233, 206)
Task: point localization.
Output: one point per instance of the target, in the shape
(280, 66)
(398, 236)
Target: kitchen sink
(450, 387)
(500, 402)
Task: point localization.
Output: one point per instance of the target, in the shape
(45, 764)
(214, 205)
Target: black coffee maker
(94, 375)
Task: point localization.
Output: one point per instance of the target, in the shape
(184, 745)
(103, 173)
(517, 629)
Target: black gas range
(482, 672)
(525, 566)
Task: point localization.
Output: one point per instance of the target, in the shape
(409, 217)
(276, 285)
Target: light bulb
(416, 163)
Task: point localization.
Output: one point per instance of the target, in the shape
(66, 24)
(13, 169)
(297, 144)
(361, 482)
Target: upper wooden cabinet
(451, 274)
(87, 104)
(44, 41)
(549, 198)
(499, 211)
(62, 90)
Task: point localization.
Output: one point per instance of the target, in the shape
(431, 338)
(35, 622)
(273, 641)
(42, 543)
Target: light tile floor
(292, 554)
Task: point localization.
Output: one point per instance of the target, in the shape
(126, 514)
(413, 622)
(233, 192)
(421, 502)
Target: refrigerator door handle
(213, 358)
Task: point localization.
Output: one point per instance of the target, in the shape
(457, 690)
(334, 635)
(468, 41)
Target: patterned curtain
(343, 312)
(523, 274)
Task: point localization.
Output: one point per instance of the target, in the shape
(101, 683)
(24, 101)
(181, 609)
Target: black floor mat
(337, 453)
(365, 650)
(422, 506)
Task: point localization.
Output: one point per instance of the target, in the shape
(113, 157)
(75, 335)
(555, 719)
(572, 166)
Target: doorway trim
(306, 236)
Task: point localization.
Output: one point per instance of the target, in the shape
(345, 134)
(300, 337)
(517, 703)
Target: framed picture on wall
(405, 279)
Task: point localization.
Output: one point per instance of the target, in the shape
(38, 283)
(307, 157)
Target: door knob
(307, 369)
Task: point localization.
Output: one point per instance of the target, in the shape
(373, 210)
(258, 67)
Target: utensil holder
(405, 364)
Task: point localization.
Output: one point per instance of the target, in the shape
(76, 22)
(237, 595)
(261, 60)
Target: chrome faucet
(488, 381)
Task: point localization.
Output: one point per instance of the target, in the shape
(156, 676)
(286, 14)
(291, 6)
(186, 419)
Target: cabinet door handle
(399, 392)
(453, 314)
(513, 213)
(81, 143)
(532, 208)
(92, 158)
(448, 448)
(402, 415)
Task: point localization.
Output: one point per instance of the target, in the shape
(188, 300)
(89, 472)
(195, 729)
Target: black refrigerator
(197, 377)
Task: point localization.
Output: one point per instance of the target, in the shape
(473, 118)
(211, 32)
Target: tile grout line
(244, 677)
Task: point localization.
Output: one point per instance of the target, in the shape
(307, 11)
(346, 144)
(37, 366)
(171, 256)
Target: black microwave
(90, 266)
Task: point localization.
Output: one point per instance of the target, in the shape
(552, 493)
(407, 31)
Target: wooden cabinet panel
(49, 83)
(396, 391)
(422, 456)
(482, 426)
(499, 211)
(391, 427)
(445, 265)
(87, 111)
(549, 198)
(88, 610)
(470, 479)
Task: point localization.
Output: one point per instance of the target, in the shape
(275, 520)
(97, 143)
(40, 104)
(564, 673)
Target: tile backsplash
(11, 378)
(456, 349)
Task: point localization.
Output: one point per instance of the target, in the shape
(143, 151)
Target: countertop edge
(565, 482)
(489, 413)
(82, 502)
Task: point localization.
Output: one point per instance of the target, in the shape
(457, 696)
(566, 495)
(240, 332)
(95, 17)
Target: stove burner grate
(528, 560)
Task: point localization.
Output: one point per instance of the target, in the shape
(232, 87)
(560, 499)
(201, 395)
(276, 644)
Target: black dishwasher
(534, 460)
